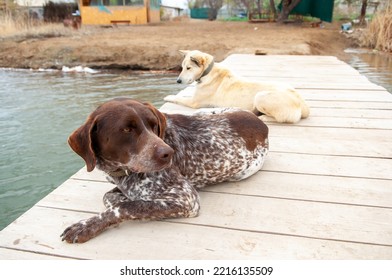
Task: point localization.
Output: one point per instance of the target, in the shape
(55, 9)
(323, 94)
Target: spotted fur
(174, 156)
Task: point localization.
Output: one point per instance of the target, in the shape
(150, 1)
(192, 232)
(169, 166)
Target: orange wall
(155, 16)
(94, 15)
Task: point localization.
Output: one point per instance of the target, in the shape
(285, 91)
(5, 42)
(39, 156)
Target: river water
(39, 110)
(377, 67)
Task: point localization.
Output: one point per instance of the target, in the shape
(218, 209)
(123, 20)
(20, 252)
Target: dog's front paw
(214, 110)
(266, 118)
(170, 98)
(79, 232)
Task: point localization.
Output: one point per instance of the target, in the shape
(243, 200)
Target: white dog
(218, 87)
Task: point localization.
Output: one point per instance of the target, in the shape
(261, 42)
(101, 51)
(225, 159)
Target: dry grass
(22, 26)
(378, 35)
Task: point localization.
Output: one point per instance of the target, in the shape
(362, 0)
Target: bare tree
(214, 6)
(250, 5)
(287, 7)
(259, 5)
(272, 8)
(363, 11)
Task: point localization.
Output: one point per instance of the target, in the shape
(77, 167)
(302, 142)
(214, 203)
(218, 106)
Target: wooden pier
(325, 191)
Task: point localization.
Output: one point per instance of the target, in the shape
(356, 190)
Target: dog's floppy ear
(183, 52)
(197, 60)
(80, 141)
(202, 60)
(161, 120)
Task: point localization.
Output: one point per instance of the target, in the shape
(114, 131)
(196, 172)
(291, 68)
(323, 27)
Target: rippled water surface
(375, 66)
(38, 112)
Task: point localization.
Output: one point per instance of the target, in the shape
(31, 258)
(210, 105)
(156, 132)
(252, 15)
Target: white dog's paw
(266, 118)
(203, 111)
(170, 98)
(214, 111)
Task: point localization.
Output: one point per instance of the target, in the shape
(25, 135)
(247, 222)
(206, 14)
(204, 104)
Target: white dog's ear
(197, 60)
(183, 52)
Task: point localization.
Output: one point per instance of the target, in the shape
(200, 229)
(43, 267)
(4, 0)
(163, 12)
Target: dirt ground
(155, 47)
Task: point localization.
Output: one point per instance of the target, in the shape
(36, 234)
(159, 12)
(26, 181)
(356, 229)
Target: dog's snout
(179, 81)
(164, 154)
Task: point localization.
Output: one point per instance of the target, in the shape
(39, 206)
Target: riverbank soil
(155, 47)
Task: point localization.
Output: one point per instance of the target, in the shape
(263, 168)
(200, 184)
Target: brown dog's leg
(179, 206)
(113, 198)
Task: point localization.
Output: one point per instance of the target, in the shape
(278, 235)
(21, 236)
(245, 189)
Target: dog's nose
(164, 154)
(179, 81)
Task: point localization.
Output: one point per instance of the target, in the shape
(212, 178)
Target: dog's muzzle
(179, 81)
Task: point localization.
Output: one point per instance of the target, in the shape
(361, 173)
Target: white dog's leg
(181, 100)
(278, 106)
(214, 111)
(266, 118)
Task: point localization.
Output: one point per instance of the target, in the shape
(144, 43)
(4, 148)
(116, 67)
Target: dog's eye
(127, 129)
(188, 68)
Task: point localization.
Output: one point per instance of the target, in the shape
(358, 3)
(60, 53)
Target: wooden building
(119, 11)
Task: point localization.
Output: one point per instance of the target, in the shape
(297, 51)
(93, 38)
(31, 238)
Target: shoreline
(96, 70)
(155, 47)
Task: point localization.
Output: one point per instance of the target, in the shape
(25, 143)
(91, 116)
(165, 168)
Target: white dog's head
(195, 65)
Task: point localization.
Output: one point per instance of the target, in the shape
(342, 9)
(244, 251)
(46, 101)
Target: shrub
(57, 12)
(378, 34)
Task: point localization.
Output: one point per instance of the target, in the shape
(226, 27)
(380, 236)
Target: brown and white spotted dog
(158, 161)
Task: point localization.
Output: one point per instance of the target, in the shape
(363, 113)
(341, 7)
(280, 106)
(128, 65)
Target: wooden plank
(346, 95)
(74, 194)
(327, 146)
(307, 80)
(327, 74)
(351, 112)
(343, 74)
(373, 123)
(315, 121)
(340, 72)
(330, 141)
(78, 195)
(339, 104)
(330, 74)
(314, 84)
(154, 240)
(231, 213)
(343, 134)
(271, 62)
(12, 254)
(95, 175)
(298, 218)
(333, 189)
(326, 189)
(373, 168)
(227, 210)
(281, 69)
(285, 60)
(318, 220)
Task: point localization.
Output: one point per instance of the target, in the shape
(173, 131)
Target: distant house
(171, 9)
(104, 12)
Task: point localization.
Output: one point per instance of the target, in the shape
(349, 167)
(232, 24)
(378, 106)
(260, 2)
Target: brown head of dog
(125, 133)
